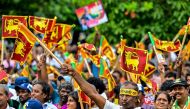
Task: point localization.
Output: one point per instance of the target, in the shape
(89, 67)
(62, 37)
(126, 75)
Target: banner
(10, 25)
(133, 60)
(91, 15)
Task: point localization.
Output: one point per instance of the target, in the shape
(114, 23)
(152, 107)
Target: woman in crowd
(162, 100)
(73, 101)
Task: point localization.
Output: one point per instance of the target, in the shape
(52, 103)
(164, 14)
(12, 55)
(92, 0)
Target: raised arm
(42, 72)
(87, 88)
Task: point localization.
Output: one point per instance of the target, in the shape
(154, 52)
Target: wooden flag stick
(41, 43)
(2, 50)
(176, 37)
(88, 67)
(183, 41)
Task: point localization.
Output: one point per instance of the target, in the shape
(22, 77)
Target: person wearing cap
(128, 97)
(181, 93)
(33, 104)
(24, 92)
(4, 97)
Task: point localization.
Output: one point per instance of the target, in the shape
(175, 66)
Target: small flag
(105, 73)
(84, 97)
(23, 44)
(133, 60)
(61, 32)
(10, 25)
(106, 49)
(168, 46)
(41, 24)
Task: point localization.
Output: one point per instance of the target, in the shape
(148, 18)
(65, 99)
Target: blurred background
(130, 18)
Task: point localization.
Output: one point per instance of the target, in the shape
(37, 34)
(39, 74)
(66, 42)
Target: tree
(132, 19)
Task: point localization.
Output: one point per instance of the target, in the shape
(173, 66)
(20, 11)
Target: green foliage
(132, 18)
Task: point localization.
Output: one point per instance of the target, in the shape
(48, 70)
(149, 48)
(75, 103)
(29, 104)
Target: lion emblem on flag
(20, 48)
(134, 62)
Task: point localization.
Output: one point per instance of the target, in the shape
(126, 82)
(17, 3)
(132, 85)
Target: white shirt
(110, 105)
(8, 107)
(49, 106)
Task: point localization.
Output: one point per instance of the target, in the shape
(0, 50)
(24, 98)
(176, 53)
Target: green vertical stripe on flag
(151, 39)
(101, 67)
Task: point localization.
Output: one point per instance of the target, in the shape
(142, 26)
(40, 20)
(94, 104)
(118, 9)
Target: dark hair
(166, 85)
(117, 71)
(98, 83)
(67, 86)
(45, 88)
(188, 74)
(75, 96)
(163, 92)
(170, 74)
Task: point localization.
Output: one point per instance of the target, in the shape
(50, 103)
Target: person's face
(24, 95)
(37, 93)
(71, 104)
(180, 92)
(188, 80)
(63, 93)
(127, 101)
(3, 97)
(161, 102)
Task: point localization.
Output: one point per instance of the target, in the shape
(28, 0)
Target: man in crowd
(64, 90)
(41, 92)
(4, 97)
(128, 93)
(24, 92)
(181, 93)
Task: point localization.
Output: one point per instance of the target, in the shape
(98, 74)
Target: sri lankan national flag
(167, 46)
(182, 30)
(105, 73)
(106, 49)
(121, 45)
(41, 24)
(84, 98)
(23, 44)
(10, 25)
(61, 32)
(149, 69)
(186, 52)
(133, 60)
(26, 73)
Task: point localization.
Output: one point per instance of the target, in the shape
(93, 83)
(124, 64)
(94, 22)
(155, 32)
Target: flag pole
(153, 45)
(2, 50)
(183, 42)
(41, 43)
(176, 37)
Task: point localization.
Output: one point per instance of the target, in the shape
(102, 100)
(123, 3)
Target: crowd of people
(42, 88)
